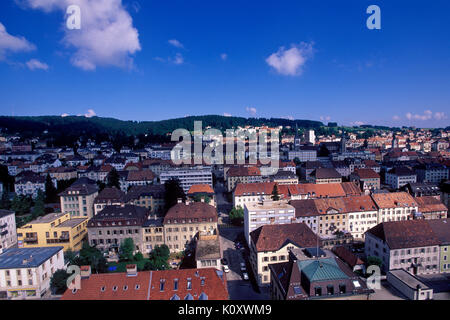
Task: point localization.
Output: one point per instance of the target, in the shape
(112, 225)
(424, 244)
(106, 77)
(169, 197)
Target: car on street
(245, 276)
(243, 267)
(226, 269)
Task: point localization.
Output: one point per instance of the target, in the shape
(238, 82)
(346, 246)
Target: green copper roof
(322, 269)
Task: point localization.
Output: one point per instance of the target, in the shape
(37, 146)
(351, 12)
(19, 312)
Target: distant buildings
(188, 176)
(25, 273)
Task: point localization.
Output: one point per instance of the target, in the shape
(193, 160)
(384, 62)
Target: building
(258, 214)
(202, 192)
(78, 199)
(241, 174)
(303, 154)
(368, 179)
(431, 207)
(349, 258)
(306, 278)
(108, 197)
(306, 168)
(62, 173)
(152, 233)
(208, 252)
(137, 178)
(310, 137)
(111, 226)
(54, 229)
(184, 221)
(272, 243)
(181, 284)
(284, 177)
(441, 228)
(25, 273)
(325, 175)
(432, 173)
(400, 176)
(188, 176)
(395, 206)
(411, 245)
(150, 197)
(409, 285)
(29, 185)
(8, 234)
(422, 189)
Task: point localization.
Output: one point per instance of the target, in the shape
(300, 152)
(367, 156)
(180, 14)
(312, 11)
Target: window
(189, 283)
(318, 291)
(342, 288)
(161, 284)
(175, 284)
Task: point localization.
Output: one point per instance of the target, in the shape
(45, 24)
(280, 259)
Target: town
(352, 213)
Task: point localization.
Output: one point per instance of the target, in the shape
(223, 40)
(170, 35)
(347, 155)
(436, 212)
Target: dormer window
(115, 288)
(161, 285)
(175, 284)
(189, 283)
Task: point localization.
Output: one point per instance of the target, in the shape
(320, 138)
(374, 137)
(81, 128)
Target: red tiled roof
(200, 188)
(367, 174)
(243, 171)
(144, 175)
(273, 237)
(193, 210)
(393, 199)
(347, 256)
(430, 204)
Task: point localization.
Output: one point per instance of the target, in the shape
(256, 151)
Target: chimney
(179, 200)
(85, 272)
(131, 270)
(202, 199)
(187, 202)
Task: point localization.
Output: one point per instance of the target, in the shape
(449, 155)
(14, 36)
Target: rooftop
(15, 258)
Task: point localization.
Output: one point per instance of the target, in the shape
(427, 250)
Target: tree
(5, 203)
(58, 282)
(371, 260)
(113, 179)
(237, 216)
(126, 250)
(93, 257)
(51, 195)
(21, 204)
(275, 196)
(39, 205)
(158, 259)
(138, 257)
(70, 257)
(173, 192)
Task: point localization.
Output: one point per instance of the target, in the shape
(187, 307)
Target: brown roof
(193, 210)
(430, 204)
(143, 175)
(405, 234)
(326, 173)
(441, 228)
(110, 194)
(367, 174)
(351, 188)
(347, 256)
(208, 283)
(273, 237)
(259, 188)
(393, 200)
(240, 171)
(200, 188)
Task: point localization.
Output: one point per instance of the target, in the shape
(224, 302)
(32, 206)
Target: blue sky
(294, 59)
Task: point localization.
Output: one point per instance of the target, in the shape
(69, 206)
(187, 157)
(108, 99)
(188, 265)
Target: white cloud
(178, 59)
(356, 123)
(325, 118)
(90, 113)
(288, 117)
(10, 43)
(251, 110)
(440, 116)
(290, 62)
(176, 43)
(395, 118)
(224, 56)
(35, 64)
(225, 114)
(64, 115)
(107, 36)
(427, 115)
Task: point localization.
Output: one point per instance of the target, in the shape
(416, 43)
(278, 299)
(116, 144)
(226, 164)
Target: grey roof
(14, 258)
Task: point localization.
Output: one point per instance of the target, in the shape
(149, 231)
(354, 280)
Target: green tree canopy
(275, 195)
(126, 250)
(39, 205)
(51, 195)
(21, 204)
(237, 216)
(58, 282)
(158, 259)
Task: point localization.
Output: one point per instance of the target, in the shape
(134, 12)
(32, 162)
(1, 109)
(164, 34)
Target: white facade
(396, 181)
(28, 188)
(360, 222)
(8, 234)
(188, 177)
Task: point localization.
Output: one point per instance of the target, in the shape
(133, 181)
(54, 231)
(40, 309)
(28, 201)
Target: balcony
(3, 226)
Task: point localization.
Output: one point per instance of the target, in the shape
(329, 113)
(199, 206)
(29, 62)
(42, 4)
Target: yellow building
(55, 229)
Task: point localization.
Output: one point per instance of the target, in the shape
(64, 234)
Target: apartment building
(8, 234)
(62, 173)
(242, 174)
(410, 244)
(188, 176)
(431, 207)
(258, 214)
(137, 178)
(400, 176)
(29, 185)
(284, 177)
(208, 252)
(25, 273)
(152, 233)
(150, 197)
(272, 244)
(184, 221)
(108, 197)
(54, 229)
(111, 226)
(395, 206)
(368, 179)
(325, 175)
(441, 228)
(78, 199)
(303, 154)
(432, 173)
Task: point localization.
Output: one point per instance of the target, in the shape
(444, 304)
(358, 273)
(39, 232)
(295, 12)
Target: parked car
(226, 269)
(245, 276)
(243, 267)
